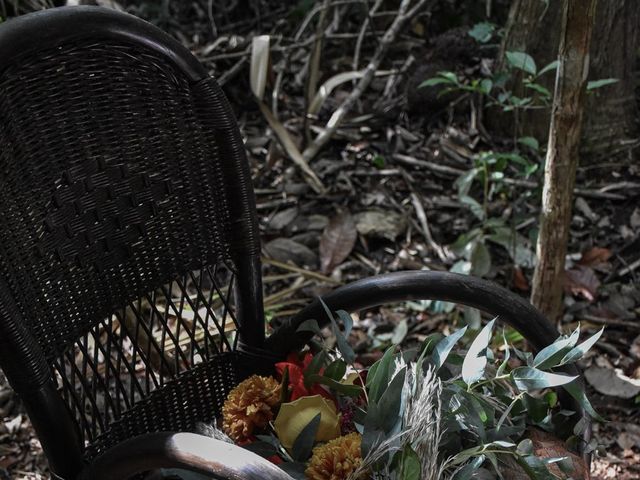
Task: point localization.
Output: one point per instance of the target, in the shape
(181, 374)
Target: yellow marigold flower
(250, 406)
(335, 460)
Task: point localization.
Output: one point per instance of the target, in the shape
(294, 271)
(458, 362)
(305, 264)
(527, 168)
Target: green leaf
(530, 142)
(432, 82)
(475, 207)
(378, 376)
(552, 66)
(486, 86)
(343, 388)
(529, 378)
(464, 181)
(410, 465)
(522, 61)
(551, 355)
(578, 352)
(390, 401)
(475, 360)
(309, 326)
(378, 161)
(336, 370)
(482, 32)
(317, 362)
(595, 84)
(467, 471)
(480, 260)
(576, 390)
(444, 347)
(538, 88)
(301, 449)
(347, 321)
(341, 342)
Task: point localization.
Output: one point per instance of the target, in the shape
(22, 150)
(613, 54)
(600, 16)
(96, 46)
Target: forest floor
(393, 201)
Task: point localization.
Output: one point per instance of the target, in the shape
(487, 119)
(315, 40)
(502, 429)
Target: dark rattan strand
(110, 183)
(144, 346)
(194, 396)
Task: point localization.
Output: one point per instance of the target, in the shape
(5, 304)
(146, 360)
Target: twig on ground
(629, 268)
(404, 14)
(301, 271)
(426, 231)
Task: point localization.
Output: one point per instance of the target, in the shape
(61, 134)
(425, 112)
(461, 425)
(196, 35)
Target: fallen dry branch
(405, 13)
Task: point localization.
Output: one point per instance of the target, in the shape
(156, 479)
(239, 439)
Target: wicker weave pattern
(109, 182)
(120, 184)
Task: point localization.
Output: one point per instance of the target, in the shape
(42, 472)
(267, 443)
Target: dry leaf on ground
(337, 241)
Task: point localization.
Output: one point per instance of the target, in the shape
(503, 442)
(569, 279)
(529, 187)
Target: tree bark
(611, 124)
(562, 154)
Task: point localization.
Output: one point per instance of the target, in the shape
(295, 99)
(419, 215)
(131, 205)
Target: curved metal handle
(189, 451)
(419, 285)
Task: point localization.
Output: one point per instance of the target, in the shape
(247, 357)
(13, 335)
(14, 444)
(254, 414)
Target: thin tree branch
(404, 14)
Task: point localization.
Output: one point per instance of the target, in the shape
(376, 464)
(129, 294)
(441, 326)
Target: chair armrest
(188, 451)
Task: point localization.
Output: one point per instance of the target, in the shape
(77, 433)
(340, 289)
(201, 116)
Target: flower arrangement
(440, 411)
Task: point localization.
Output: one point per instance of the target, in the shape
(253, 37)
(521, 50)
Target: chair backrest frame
(21, 357)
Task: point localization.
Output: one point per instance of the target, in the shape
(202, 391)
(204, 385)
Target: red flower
(297, 369)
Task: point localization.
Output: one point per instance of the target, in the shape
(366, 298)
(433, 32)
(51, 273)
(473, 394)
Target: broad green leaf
(347, 321)
(318, 361)
(444, 347)
(530, 142)
(410, 465)
(482, 32)
(523, 61)
(336, 370)
(378, 376)
(341, 342)
(475, 207)
(432, 82)
(390, 401)
(552, 66)
(486, 86)
(577, 352)
(480, 260)
(464, 181)
(301, 449)
(551, 355)
(594, 84)
(529, 378)
(309, 326)
(467, 471)
(536, 87)
(576, 390)
(475, 360)
(343, 388)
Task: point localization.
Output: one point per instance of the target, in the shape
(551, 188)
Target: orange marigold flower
(335, 460)
(250, 406)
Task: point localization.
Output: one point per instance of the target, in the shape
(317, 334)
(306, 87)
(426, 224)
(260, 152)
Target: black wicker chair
(130, 283)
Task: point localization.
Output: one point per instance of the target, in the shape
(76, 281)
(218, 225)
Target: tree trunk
(611, 124)
(562, 154)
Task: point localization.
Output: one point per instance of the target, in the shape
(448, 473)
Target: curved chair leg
(188, 451)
